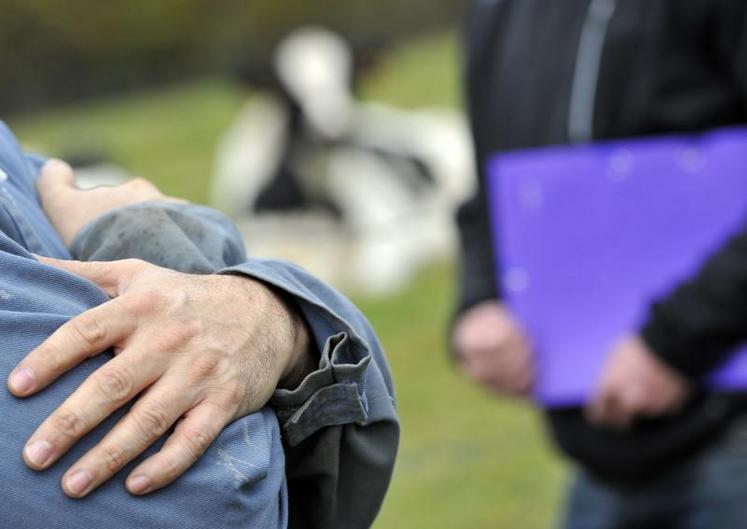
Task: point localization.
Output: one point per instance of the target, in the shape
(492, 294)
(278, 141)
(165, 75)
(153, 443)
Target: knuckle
(180, 298)
(142, 186)
(115, 385)
(90, 268)
(68, 424)
(113, 458)
(134, 306)
(89, 330)
(202, 368)
(151, 298)
(176, 337)
(144, 302)
(55, 360)
(196, 442)
(500, 335)
(152, 422)
(471, 355)
(131, 265)
(184, 331)
(132, 262)
(627, 407)
(193, 328)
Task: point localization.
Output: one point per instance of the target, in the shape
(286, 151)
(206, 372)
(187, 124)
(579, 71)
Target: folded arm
(338, 416)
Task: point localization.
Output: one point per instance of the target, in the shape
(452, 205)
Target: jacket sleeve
(477, 272)
(340, 426)
(183, 237)
(702, 321)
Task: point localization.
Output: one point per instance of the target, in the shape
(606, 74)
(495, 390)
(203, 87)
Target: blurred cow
(362, 194)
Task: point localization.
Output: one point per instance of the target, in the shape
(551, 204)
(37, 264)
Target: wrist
(289, 343)
(298, 359)
(302, 362)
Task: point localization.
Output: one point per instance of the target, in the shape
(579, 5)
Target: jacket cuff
(330, 396)
(665, 345)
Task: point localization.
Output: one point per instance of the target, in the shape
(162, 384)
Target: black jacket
(540, 73)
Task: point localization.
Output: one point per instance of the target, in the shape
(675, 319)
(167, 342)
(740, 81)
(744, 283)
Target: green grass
(423, 73)
(467, 459)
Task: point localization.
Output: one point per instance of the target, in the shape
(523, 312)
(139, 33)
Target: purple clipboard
(588, 236)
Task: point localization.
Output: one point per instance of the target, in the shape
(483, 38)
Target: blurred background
(332, 133)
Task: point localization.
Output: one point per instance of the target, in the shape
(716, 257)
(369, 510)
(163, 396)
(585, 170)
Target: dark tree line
(55, 51)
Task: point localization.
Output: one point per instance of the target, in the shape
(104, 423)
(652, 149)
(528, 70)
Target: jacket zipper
(586, 70)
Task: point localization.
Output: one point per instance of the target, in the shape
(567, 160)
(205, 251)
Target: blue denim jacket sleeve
(339, 425)
(239, 482)
(183, 237)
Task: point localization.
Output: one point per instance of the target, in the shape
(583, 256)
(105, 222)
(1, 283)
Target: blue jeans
(708, 491)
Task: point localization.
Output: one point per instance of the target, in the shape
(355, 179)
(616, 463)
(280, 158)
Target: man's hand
(70, 209)
(636, 383)
(492, 349)
(193, 351)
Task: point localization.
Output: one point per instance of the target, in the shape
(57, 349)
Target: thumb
(56, 176)
(111, 276)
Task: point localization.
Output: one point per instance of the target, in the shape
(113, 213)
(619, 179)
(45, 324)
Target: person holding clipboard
(655, 448)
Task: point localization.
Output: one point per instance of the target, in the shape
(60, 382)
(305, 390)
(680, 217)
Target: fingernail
(38, 452)
(22, 380)
(53, 164)
(78, 482)
(139, 484)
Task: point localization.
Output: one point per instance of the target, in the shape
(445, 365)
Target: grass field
(467, 460)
